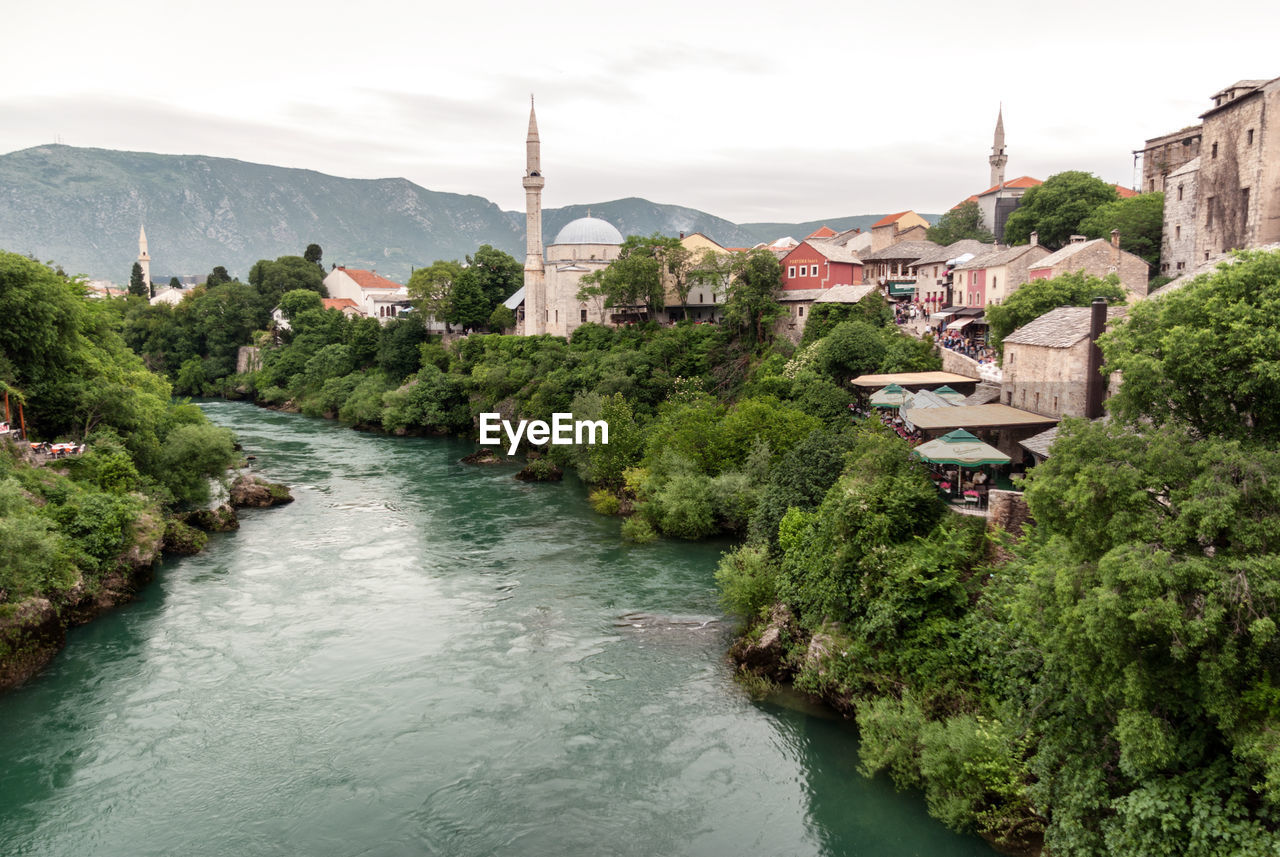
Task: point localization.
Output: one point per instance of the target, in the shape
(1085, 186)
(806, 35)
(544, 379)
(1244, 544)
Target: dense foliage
(62, 358)
(963, 221)
(1138, 219)
(1105, 685)
(1040, 296)
(1056, 208)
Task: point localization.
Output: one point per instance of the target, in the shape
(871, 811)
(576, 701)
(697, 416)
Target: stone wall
(248, 359)
(1178, 240)
(959, 364)
(1044, 380)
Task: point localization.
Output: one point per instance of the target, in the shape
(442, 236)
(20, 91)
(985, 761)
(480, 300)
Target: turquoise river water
(419, 657)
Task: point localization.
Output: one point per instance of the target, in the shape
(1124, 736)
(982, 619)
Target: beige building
(893, 228)
(1001, 271)
(1046, 363)
(891, 268)
(1097, 258)
(375, 295)
(931, 270)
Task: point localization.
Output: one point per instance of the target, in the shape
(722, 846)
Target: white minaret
(998, 158)
(144, 258)
(535, 297)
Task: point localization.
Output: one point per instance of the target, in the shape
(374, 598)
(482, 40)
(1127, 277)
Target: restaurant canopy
(891, 396)
(960, 448)
(914, 380)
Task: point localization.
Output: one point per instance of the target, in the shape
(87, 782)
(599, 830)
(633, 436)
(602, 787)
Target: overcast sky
(743, 109)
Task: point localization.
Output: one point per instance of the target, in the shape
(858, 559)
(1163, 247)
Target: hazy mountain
(81, 208)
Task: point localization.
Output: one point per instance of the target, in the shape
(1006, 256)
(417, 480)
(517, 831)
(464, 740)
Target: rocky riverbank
(34, 630)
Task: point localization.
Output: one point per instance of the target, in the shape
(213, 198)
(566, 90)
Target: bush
(638, 531)
(604, 502)
(684, 507)
(747, 581)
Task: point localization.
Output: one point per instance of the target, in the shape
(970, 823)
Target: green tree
(1139, 219)
(299, 300)
(137, 286)
(468, 306)
(501, 319)
(1207, 355)
(217, 277)
(1056, 208)
(175, 283)
(431, 289)
(1039, 296)
(635, 279)
(752, 304)
(498, 274)
(314, 254)
(963, 221)
(273, 279)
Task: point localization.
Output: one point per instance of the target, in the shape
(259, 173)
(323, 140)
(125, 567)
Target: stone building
(584, 245)
(1238, 184)
(932, 271)
(1164, 155)
(890, 268)
(894, 228)
(1097, 258)
(1178, 239)
(819, 263)
(1046, 363)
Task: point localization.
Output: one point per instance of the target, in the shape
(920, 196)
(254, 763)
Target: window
(1055, 404)
(557, 316)
(1208, 217)
(700, 300)
(1177, 232)
(583, 315)
(1153, 184)
(1248, 137)
(1214, 151)
(791, 271)
(801, 313)
(1179, 193)
(1182, 265)
(995, 281)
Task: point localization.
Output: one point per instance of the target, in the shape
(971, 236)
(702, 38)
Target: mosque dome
(588, 230)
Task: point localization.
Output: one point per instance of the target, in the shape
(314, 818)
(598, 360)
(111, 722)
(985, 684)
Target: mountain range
(81, 208)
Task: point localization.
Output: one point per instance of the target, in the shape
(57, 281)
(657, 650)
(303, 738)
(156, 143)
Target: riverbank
(34, 629)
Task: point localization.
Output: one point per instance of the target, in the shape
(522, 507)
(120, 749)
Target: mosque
(588, 244)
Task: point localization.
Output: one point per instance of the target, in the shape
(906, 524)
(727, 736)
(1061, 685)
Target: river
(420, 657)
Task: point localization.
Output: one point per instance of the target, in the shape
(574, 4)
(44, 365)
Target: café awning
(891, 396)
(960, 324)
(961, 448)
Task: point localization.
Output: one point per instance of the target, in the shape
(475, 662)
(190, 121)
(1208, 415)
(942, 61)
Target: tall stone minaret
(535, 297)
(144, 258)
(998, 158)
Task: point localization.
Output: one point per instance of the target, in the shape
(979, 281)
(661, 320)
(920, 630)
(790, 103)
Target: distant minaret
(998, 158)
(144, 258)
(535, 298)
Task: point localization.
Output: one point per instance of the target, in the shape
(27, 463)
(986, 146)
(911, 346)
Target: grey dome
(588, 230)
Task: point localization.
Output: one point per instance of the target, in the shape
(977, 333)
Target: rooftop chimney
(1035, 239)
(1093, 388)
(1115, 250)
(1115, 238)
(1078, 239)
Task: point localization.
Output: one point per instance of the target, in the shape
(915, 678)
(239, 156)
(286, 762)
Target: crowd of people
(972, 348)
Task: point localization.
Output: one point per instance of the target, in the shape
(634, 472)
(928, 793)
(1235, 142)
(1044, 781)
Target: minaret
(998, 158)
(144, 258)
(535, 297)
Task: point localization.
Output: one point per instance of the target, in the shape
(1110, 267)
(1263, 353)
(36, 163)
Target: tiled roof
(890, 218)
(1059, 328)
(957, 248)
(339, 303)
(997, 258)
(1125, 192)
(834, 252)
(843, 294)
(789, 295)
(1040, 443)
(1189, 167)
(973, 198)
(1060, 256)
(823, 232)
(369, 280)
(1021, 182)
(903, 250)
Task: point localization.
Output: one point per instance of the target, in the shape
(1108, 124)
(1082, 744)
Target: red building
(816, 263)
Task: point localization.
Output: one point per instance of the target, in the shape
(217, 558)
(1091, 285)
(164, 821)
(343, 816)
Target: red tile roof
(1125, 192)
(339, 303)
(973, 198)
(1019, 182)
(824, 232)
(889, 218)
(369, 280)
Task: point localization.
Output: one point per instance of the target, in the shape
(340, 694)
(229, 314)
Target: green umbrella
(960, 448)
(891, 396)
(949, 394)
